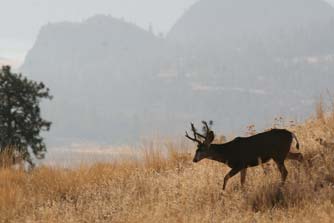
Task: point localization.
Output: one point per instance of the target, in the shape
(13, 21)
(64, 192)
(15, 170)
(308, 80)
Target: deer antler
(195, 133)
(209, 134)
(206, 126)
(198, 134)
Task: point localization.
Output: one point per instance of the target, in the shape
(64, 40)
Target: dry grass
(167, 187)
(8, 157)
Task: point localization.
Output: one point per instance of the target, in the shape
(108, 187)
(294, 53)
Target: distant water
(75, 155)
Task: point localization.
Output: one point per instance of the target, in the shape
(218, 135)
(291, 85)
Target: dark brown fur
(244, 152)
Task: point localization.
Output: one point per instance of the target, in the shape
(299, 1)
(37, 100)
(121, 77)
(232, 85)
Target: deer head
(204, 145)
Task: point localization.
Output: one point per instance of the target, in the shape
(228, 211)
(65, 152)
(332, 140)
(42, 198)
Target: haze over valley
(115, 82)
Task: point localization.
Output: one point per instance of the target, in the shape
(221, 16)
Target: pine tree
(20, 115)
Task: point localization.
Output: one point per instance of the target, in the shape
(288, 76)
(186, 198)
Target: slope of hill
(171, 188)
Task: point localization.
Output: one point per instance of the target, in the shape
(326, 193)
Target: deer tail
(295, 137)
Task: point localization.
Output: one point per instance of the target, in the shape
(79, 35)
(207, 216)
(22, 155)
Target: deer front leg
(230, 174)
(243, 176)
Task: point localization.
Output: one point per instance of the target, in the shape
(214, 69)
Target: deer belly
(256, 161)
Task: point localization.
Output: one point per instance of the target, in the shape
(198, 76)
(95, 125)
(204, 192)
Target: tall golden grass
(9, 157)
(165, 186)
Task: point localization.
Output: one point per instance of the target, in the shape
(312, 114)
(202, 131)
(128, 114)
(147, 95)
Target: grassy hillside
(170, 188)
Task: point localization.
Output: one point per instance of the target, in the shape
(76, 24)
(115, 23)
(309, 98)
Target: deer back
(250, 151)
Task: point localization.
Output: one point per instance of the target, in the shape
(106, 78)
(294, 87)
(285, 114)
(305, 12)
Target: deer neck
(216, 153)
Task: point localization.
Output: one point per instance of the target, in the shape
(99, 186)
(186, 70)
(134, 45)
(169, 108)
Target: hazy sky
(20, 20)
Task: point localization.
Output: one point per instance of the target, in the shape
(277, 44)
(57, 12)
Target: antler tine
(192, 139)
(195, 131)
(209, 134)
(200, 135)
(207, 127)
(193, 127)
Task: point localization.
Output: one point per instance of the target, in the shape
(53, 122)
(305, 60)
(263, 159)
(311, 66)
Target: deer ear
(209, 138)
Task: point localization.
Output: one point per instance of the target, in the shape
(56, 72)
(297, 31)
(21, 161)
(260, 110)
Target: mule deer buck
(244, 152)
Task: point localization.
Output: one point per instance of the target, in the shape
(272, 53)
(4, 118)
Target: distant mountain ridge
(235, 62)
(216, 20)
(67, 39)
(88, 68)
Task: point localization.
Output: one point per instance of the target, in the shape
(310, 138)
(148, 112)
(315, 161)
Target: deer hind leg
(295, 156)
(243, 176)
(230, 174)
(282, 169)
